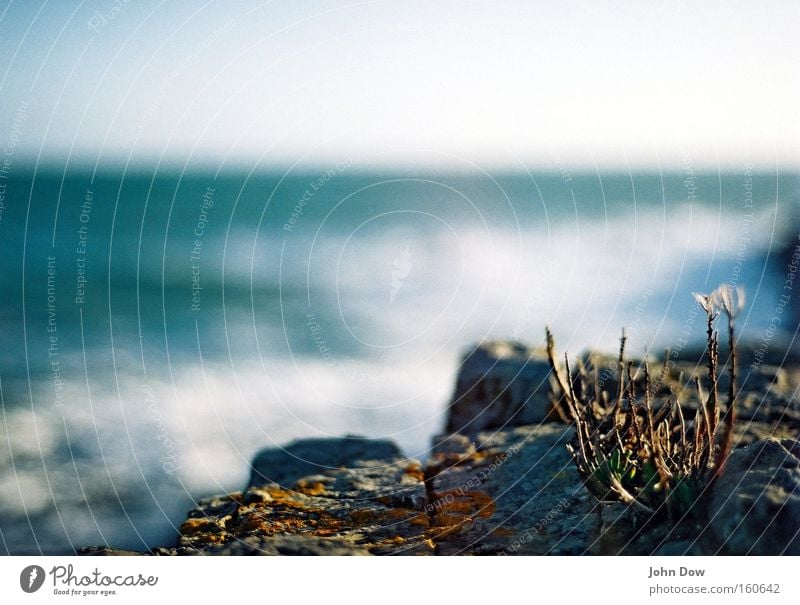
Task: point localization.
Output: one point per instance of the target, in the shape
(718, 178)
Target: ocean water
(158, 327)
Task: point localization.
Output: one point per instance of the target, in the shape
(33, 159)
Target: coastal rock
(370, 506)
(105, 551)
(624, 531)
(756, 502)
(510, 492)
(746, 431)
(680, 548)
(271, 520)
(505, 484)
(619, 528)
(516, 492)
(500, 384)
(305, 457)
(454, 443)
(288, 545)
(769, 405)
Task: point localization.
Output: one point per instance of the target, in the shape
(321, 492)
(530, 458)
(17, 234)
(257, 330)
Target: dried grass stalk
(640, 449)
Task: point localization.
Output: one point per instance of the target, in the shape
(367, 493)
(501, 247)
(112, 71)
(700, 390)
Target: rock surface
(500, 384)
(336, 496)
(500, 481)
(308, 456)
(514, 492)
(756, 502)
(269, 519)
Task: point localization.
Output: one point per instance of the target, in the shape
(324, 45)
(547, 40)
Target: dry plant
(638, 448)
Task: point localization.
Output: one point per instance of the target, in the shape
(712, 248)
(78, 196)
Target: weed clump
(637, 447)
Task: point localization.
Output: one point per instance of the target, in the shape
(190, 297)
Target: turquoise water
(159, 327)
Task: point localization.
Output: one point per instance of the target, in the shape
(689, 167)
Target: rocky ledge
(501, 482)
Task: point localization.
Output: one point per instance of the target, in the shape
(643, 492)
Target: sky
(456, 83)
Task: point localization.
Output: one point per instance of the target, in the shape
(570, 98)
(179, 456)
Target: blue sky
(491, 83)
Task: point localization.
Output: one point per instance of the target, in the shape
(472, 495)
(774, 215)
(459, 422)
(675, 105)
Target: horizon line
(351, 164)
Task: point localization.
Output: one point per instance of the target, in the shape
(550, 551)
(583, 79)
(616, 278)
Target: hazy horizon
(373, 166)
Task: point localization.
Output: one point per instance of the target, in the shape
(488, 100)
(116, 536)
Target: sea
(160, 325)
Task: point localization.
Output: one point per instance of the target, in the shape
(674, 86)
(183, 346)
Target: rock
(511, 492)
(370, 507)
(454, 443)
(290, 545)
(618, 529)
(286, 465)
(755, 506)
(767, 406)
(680, 548)
(399, 483)
(105, 551)
(500, 384)
(517, 493)
(500, 481)
(624, 531)
(746, 431)
(253, 520)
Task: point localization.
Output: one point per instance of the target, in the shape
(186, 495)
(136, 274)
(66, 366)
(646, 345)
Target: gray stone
(290, 545)
(517, 493)
(680, 548)
(755, 506)
(454, 443)
(499, 481)
(500, 384)
(306, 457)
(397, 483)
(624, 531)
(369, 507)
(769, 406)
(746, 431)
(105, 551)
(618, 525)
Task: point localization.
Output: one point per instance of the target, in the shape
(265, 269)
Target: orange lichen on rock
(374, 510)
(415, 471)
(280, 496)
(420, 519)
(203, 532)
(315, 488)
(387, 515)
(472, 503)
(270, 527)
(363, 517)
(458, 509)
(196, 526)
